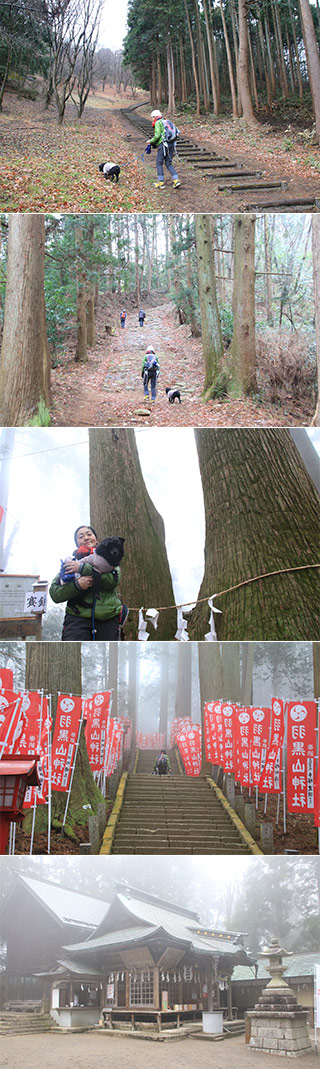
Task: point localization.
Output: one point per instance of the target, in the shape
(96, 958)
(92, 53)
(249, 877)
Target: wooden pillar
(210, 988)
(156, 989)
(229, 999)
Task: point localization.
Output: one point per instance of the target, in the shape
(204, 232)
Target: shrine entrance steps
(14, 1024)
(174, 814)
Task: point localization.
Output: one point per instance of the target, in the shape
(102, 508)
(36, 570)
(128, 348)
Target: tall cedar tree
(25, 360)
(120, 505)
(262, 515)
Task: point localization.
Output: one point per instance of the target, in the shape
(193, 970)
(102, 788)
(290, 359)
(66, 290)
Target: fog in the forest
(280, 669)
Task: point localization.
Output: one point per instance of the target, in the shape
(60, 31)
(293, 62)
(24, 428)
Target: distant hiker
(91, 613)
(123, 316)
(150, 372)
(165, 144)
(162, 764)
(173, 395)
(142, 316)
(111, 171)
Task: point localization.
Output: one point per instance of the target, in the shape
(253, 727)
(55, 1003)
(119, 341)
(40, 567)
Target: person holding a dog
(90, 613)
(150, 372)
(165, 150)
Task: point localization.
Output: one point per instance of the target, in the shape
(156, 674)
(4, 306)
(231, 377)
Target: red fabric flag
(301, 755)
(113, 747)
(242, 731)
(96, 713)
(189, 743)
(270, 779)
(210, 731)
(317, 790)
(179, 724)
(11, 720)
(152, 740)
(228, 718)
(34, 716)
(259, 738)
(6, 679)
(38, 795)
(64, 739)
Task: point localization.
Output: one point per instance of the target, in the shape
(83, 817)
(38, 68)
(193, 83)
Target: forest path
(257, 150)
(107, 391)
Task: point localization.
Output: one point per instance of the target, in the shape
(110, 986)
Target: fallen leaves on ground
(108, 390)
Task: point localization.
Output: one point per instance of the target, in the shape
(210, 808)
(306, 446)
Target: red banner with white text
(64, 739)
(180, 723)
(113, 747)
(11, 720)
(153, 740)
(189, 743)
(270, 779)
(210, 731)
(96, 714)
(301, 756)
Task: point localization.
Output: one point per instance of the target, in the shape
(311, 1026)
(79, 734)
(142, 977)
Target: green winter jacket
(79, 602)
(159, 133)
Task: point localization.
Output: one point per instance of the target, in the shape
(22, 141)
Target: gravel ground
(90, 1051)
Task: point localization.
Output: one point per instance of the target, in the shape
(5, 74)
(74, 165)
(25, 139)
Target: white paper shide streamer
(181, 633)
(142, 628)
(211, 635)
(153, 616)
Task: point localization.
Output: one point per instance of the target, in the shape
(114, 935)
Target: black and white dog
(173, 395)
(110, 170)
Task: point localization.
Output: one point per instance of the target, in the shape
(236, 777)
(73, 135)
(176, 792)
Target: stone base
(278, 1030)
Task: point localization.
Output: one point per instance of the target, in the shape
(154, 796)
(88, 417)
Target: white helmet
(156, 115)
(150, 349)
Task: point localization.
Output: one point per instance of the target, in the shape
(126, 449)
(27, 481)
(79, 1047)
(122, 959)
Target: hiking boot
(158, 185)
(176, 183)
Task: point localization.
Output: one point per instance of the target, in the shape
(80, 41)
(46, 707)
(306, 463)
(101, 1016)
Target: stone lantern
(16, 774)
(278, 1023)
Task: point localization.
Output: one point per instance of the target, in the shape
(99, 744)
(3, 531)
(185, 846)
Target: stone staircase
(14, 1024)
(173, 814)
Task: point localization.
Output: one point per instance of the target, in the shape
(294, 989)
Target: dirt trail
(261, 150)
(108, 390)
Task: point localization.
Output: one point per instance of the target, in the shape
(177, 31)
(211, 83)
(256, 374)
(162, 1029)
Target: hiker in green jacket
(164, 150)
(78, 593)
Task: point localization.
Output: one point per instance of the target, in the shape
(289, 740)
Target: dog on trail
(173, 395)
(111, 171)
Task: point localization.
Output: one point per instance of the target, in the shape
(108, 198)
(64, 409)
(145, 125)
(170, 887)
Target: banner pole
(33, 824)
(35, 790)
(103, 770)
(49, 771)
(73, 766)
(284, 763)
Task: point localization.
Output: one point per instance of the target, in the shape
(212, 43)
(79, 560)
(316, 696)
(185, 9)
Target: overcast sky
(113, 25)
